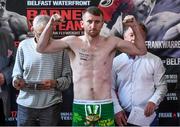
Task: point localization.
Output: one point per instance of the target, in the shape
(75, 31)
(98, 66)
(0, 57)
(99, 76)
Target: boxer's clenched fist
(56, 18)
(130, 20)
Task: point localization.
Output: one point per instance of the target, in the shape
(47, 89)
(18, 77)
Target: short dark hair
(93, 10)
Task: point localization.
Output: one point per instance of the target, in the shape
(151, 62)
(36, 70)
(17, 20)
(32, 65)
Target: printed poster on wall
(161, 17)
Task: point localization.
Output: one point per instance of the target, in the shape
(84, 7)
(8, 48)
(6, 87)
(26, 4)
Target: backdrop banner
(162, 18)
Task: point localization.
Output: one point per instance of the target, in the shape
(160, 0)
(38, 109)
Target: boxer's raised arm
(46, 43)
(138, 47)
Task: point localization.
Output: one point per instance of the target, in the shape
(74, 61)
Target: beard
(93, 33)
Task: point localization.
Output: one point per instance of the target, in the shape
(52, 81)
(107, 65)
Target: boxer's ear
(32, 28)
(82, 24)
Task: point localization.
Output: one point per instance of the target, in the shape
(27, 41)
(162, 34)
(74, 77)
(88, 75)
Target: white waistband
(106, 101)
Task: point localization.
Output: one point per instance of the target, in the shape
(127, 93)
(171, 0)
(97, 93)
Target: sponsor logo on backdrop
(171, 97)
(171, 78)
(71, 11)
(106, 3)
(162, 44)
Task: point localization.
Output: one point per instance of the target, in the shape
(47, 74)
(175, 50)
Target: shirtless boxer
(91, 58)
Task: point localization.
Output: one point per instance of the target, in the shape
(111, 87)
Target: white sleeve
(159, 82)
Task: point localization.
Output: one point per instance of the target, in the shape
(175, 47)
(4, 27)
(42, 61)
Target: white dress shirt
(137, 81)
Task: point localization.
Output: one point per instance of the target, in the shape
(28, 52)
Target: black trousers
(2, 117)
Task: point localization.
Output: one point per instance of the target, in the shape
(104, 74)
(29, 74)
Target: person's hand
(19, 83)
(130, 21)
(2, 80)
(56, 18)
(48, 84)
(121, 118)
(149, 109)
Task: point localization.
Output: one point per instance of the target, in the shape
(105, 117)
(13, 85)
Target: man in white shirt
(138, 81)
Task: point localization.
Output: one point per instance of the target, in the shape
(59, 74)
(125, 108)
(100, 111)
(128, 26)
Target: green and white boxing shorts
(93, 113)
